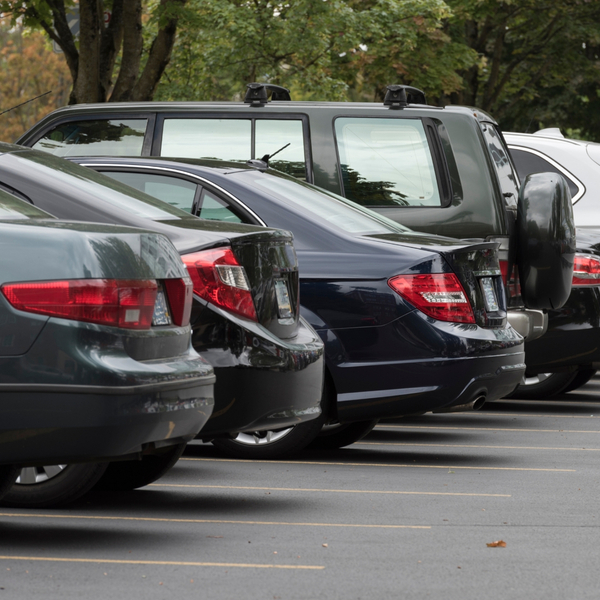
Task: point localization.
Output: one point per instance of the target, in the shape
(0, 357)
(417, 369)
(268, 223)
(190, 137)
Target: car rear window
(386, 162)
(101, 137)
(337, 211)
(12, 208)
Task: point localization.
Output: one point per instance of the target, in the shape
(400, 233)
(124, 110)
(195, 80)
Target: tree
(327, 50)
(112, 62)
(28, 68)
(538, 60)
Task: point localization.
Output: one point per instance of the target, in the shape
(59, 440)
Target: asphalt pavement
(501, 503)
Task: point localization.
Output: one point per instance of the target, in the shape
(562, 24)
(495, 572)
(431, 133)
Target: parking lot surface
(409, 512)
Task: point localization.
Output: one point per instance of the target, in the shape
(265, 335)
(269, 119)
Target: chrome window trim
(557, 166)
(185, 173)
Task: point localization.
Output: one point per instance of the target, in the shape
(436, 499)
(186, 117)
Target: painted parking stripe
(102, 561)
(447, 428)
(480, 447)
(325, 491)
(351, 464)
(210, 521)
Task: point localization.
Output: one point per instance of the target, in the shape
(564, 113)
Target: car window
(339, 212)
(12, 208)
(386, 162)
(120, 137)
(222, 139)
(272, 135)
(77, 178)
(215, 209)
(501, 158)
(527, 163)
(172, 190)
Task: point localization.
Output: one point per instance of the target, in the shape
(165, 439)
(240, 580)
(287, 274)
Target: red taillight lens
(116, 302)
(181, 294)
(586, 270)
(512, 283)
(218, 278)
(438, 295)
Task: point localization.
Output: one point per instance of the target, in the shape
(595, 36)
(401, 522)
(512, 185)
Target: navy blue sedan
(403, 315)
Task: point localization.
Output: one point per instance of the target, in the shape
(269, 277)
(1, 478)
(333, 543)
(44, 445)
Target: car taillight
(116, 302)
(181, 294)
(218, 278)
(438, 295)
(512, 283)
(586, 270)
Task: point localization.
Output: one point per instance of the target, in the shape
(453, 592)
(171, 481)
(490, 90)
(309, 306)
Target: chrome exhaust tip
(473, 405)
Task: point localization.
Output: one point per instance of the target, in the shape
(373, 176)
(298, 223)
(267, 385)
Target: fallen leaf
(497, 544)
(324, 545)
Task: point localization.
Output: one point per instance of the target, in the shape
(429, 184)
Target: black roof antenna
(26, 101)
(263, 163)
(256, 94)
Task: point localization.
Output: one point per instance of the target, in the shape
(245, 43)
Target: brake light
(218, 278)
(586, 270)
(120, 303)
(511, 282)
(181, 294)
(438, 295)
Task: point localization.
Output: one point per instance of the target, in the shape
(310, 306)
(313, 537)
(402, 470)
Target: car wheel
(54, 485)
(542, 386)
(270, 444)
(8, 475)
(131, 474)
(338, 435)
(580, 379)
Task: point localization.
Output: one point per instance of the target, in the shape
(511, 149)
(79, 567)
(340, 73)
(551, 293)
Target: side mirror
(546, 240)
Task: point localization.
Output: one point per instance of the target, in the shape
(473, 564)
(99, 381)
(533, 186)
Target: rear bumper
(572, 336)
(263, 382)
(438, 365)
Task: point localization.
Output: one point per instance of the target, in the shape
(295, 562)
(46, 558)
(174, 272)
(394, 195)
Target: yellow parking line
(440, 428)
(272, 489)
(361, 443)
(212, 521)
(349, 464)
(101, 561)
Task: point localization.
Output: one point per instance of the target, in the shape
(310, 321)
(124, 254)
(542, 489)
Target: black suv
(440, 170)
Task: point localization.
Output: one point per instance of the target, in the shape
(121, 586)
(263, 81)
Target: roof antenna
(26, 101)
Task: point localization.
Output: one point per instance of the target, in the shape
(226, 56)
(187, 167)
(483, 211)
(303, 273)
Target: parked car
(571, 345)
(245, 317)
(95, 356)
(444, 171)
(402, 314)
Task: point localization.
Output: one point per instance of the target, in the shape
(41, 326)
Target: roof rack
(256, 95)
(400, 96)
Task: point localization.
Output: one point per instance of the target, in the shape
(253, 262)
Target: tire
(131, 474)
(8, 475)
(54, 485)
(271, 444)
(542, 386)
(341, 434)
(581, 378)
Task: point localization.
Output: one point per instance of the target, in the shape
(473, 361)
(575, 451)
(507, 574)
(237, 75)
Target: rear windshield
(77, 178)
(12, 208)
(337, 211)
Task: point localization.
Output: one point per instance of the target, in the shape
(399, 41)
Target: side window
(501, 158)
(116, 137)
(386, 162)
(527, 163)
(174, 191)
(215, 209)
(272, 135)
(221, 139)
(237, 140)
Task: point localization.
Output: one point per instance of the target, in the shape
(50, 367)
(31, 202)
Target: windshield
(78, 178)
(334, 209)
(12, 208)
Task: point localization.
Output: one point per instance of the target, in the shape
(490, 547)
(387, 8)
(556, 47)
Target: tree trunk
(87, 88)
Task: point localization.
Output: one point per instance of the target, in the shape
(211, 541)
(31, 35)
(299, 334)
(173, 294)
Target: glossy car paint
(573, 330)
(73, 391)
(269, 374)
(385, 357)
